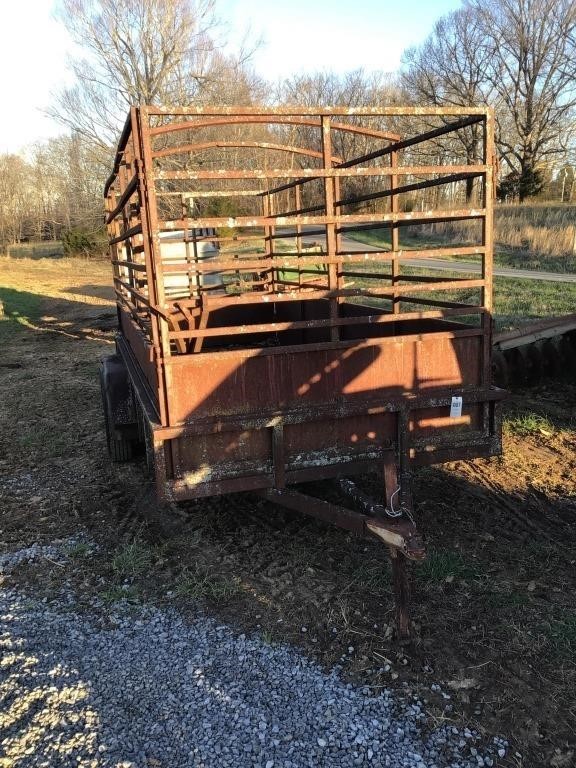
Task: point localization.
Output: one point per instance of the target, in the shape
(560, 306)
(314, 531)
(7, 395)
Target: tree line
(516, 55)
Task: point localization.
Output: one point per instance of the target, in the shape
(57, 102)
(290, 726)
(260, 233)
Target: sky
(298, 36)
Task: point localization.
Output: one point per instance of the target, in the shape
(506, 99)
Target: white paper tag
(456, 407)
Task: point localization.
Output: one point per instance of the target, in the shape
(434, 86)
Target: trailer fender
(119, 408)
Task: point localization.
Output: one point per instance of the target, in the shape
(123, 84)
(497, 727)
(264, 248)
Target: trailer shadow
(81, 320)
(93, 290)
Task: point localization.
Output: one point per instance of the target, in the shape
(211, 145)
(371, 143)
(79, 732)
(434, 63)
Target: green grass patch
(517, 302)
(519, 259)
(199, 584)
(45, 438)
(528, 424)
(21, 310)
(373, 577)
(78, 550)
(444, 565)
(133, 559)
(117, 593)
(380, 238)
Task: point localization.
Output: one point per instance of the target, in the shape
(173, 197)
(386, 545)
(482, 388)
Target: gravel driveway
(144, 688)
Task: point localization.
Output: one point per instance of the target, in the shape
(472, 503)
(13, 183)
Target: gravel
(143, 688)
(58, 552)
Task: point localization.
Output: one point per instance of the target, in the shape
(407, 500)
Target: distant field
(40, 250)
(516, 302)
(529, 236)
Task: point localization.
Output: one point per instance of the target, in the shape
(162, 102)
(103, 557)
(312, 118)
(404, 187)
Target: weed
(442, 565)
(133, 559)
(78, 550)
(120, 592)
(199, 583)
(525, 424)
(267, 637)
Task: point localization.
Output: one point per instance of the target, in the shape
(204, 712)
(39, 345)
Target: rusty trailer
(264, 343)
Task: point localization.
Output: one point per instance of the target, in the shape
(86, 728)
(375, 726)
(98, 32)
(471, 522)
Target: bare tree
(137, 52)
(15, 198)
(531, 45)
(450, 68)
(520, 56)
(356, 88)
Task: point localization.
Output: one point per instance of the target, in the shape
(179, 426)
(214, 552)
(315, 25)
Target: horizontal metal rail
(127, 234)
(293, 118)
(386, 111)
(131, 188)
(322, 323)
(422, 217)
(303, 174)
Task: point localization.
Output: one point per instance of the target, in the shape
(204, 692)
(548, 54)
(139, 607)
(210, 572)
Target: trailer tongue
(248, 361)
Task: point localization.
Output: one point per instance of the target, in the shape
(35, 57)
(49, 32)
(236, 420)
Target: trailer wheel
(145, 439)
(117, 404)
(499, 369)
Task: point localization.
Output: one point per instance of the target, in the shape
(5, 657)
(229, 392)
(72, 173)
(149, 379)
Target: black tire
(499, 369)
(120, 447)
(145, 440)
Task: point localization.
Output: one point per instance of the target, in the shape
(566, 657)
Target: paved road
(353, 246)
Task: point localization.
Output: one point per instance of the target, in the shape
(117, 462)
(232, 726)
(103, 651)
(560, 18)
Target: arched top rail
(380, 111)
(179, 150)
(270, 119)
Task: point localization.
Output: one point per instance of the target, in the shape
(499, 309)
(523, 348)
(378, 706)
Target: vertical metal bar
(338, 267)
(160, 469)
(390, 482)
(132, 220)
(202, 323)
(330, 228)
(298, 206)
(113, 229)
(394, 233)
(278, 456)
(404, 457)
(145, 216)
(401, 594)
(192, 280)
(268, 241)
(123, 179)
(488, 243)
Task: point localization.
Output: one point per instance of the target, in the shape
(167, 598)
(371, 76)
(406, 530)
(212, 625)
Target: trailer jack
(399, 533)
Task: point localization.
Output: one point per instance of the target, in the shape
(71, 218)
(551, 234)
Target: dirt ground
(494, 603)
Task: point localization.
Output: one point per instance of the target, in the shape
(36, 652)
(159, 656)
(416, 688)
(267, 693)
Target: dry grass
(531, 235)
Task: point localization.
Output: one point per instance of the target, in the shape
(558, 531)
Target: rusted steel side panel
(429, 422)
(348, 435)
(226, 383)
(142, 351)
(314, 450)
